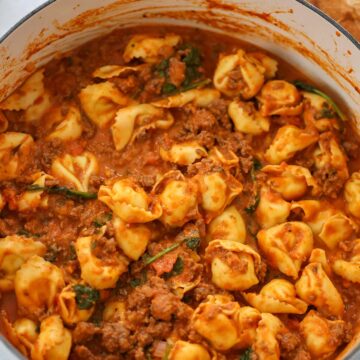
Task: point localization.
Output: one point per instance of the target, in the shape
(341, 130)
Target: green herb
(251, 208)
(255, 167)
(177, 269)
(139, 281)
(72, 252)
(149, 260)
(325, 113)
(101, 221)
(196, 85)
(168, 88)
(192, 242)
(162, 68)
(167, 352)
(193, 57)
(52, 254)
(246, 355)
(307, 87)
(85, 296)
(26, 233)
(63, 190)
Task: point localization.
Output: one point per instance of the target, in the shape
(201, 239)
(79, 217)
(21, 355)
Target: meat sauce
(169, 292)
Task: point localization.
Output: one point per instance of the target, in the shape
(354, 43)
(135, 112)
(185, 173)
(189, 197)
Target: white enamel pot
(292, 29)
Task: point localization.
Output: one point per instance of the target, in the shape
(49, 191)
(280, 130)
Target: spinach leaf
(255, 167)
(72, 252)
(177, 269)
(168, 88)
(192, 242)
(52, 254)
(139, 281)
(75, 194)
(251, 208)
(85, 296)
(310, 88)
(26, 233)
(246, 355)
(102, 220)
(149, 260)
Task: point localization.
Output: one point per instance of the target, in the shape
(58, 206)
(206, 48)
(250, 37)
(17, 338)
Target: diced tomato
(165, 264)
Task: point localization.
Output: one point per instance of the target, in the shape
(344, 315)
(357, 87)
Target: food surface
(173, 194)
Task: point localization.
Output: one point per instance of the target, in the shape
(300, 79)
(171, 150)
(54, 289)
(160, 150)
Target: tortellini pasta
(279, 97)
(224, 324)
(37, 285)
(287, 246)
(319, 256)
(186, 350)
(266, 345)
(68, 127)
(227, 226)
(278, 296)
(76, 170)
(291, 181)
(114, 310)
(110, 71)
(27, 94)
(53, 342)
(178, 198)
(288, 140)
(184, 153)
(68, 307)
(316, 289)
(198, 97)
(30, 200)
(14, 147)
(14, 251)
(270, 64)
(101, 102)
(234, 266)
(227, 159)
(4, 123)
(217, 190)
(329, 155)
(132, 239)
(98, 273)
(147, 48)
(22, 333)
(272, 209)
(349, 269)
(239, 75)
(130, 202)
(326, 221)
(317, 332)
(352, 194)
(134, 120)
(247, 119)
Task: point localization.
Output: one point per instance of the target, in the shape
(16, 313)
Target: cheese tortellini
(239, 74)
(14, 251)
(234, 266)
(349, 269)
(272, 209)
(37, 285)
(291, 181)
(98, 273)
(53, 342)
(133, 120)
(326, 221)
(217, 190)
(279, 97)
(266, 345)
(319, 334)
(130, 202)
(227, 226)
(14, 147)
(68, 127)
(178, 197)
(186, 350)
(247, 119)
(114, 310)
(278, 296)
(132, 239)
(352, 194)
(147, 48)
(183, 153)
(288, 140)
(224, 324)
(101, 102)
(69, 309)
(110, 71)
(287, 246)
(76, 170)
(315, 287)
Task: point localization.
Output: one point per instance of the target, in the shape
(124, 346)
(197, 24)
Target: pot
(293, 29)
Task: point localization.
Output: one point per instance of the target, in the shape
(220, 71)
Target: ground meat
(329, 181)
(176, 71)
(206, 139)
(126, 85)
(219, 108)
(203, 290)
(289, 341)
(351, 148)
(199, 119)
(301, 355)
(151, 88)
(84, 331)
(115, 337)
(236, 80)
(105, 248)
(163, 306)
(82, 352)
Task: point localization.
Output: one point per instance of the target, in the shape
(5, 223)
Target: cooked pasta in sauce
(169, 193)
